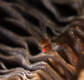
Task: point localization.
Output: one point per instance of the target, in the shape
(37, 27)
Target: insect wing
(43, 28)
(34, 31)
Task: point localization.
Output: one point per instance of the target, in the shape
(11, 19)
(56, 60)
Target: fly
(43, 40)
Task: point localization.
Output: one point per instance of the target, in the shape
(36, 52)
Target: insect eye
(44, 50)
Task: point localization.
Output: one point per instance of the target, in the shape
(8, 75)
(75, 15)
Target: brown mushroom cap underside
(20, 57)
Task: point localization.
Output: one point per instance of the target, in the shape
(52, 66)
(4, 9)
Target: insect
(43, 40)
